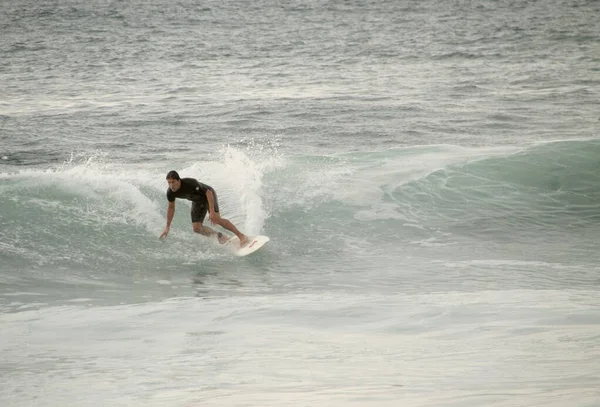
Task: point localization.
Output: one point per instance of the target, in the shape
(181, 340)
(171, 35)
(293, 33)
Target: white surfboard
(254, 243)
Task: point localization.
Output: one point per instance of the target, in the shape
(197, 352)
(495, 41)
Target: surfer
(204, 199)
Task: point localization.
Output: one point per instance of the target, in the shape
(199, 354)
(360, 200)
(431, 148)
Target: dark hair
(173, 175)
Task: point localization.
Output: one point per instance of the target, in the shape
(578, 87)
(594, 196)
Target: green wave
(107, 220)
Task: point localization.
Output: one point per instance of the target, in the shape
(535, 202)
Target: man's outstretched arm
(170, 214)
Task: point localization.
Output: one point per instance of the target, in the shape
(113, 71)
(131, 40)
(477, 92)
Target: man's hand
(165, 233)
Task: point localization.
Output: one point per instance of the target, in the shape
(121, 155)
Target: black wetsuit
(194, 191)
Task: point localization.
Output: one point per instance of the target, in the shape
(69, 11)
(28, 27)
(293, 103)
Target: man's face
(174, 184)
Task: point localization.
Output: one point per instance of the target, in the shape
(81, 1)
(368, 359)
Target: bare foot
(222, 238)
(244, 241)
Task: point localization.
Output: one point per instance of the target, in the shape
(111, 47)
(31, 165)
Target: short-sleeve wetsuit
(194, 191)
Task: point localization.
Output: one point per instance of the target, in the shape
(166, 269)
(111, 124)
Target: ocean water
(428, 173)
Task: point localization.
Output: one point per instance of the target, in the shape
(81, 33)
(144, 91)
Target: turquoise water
(427, 174)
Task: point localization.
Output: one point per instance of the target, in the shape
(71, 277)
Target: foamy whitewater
(428, 174)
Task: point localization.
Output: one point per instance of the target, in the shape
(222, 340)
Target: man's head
(173, 180)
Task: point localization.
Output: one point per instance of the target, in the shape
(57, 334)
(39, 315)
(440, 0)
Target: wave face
(540, 200)
(550, 188)
(95, 214)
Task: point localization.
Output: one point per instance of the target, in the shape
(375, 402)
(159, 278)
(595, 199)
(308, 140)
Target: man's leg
(198, 213)
(206, 231)
(226, 224)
